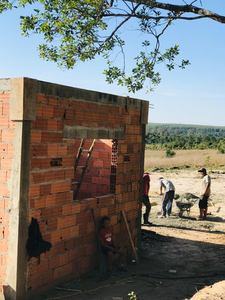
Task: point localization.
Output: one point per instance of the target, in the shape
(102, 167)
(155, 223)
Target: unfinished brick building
(63, 152)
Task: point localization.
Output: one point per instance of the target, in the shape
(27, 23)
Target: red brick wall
(6, 155)
(66, 224)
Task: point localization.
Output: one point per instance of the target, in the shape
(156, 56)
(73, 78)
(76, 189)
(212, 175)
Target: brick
(39, 110)
(58, 112)
(63, 259)
(67, 209)
(35, 163)
(50, 200)
(34, 190)
(89, 238)
(5, 108)
(3, 273)
(57, 211)
(38, 150)
(59, 187)
(63, 271)
(42, 98)
(52, 124)
(46, 213)
(65, 102)
(3, 260)
(83, 217)
(51, 225)
(69, 114)
(35, 214)
(60, 125)
(79, 115)
(4, 121)
(3, 176)
(42, 267)
(51, 137)
(37, 177)
(62, 150)
(82, 229)
(68, 161)
(52, 100)
(60, 198)
(53, 262)
(7, 135)
(40, 124)
(55, 236)
(45, 163)
(98, 163)
(4, 246)
(35, 136)
(4, 217)
(40, 202)
(69, 173)
(52, 149)
(45, 189)
(4, 190)
(48, 277)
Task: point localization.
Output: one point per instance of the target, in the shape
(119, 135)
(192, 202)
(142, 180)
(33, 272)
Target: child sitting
(108, 247)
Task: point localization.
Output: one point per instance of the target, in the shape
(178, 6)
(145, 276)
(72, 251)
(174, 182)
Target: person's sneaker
(162, 217)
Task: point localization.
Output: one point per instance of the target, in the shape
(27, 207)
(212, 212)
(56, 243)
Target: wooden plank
(130, 237)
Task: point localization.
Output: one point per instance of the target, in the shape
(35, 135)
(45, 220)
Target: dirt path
(178, 256)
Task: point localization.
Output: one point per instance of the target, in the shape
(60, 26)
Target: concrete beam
(56, 90)
(84, 132)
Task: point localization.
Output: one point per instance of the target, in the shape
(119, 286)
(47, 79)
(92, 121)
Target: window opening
(94, 168)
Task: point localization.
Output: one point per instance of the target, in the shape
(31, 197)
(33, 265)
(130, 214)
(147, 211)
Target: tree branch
(182, 9)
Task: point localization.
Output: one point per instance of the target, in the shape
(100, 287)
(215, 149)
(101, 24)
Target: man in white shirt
(205, 193)
(167, 189)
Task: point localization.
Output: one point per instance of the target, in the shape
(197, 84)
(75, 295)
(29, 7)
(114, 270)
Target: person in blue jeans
(167, 189)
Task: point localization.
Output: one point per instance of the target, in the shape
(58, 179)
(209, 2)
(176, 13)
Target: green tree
(79, 30)
(221, 146)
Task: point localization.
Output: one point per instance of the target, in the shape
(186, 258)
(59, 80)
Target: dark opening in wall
(95, 168)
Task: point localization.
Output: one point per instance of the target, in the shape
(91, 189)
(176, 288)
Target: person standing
(145, 197)
(167, 189)
(205, 193)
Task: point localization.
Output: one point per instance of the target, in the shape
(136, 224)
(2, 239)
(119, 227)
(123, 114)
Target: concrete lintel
(4, 85)
(78, 132)
(57, 90)
(23, 99)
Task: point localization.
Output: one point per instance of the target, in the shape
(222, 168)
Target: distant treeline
(180, 136)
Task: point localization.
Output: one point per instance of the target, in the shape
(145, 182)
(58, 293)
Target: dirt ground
(180, 258)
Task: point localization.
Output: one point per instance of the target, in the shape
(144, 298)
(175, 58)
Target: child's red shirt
(105, 236)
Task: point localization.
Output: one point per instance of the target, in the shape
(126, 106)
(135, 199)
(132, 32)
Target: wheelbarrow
(185, 206)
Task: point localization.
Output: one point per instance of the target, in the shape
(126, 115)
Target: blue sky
(192, 96)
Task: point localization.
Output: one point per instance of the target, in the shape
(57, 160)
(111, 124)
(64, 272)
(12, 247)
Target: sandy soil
(205, 239)
(180, 258)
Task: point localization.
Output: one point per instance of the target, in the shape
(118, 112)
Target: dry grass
(192, 158)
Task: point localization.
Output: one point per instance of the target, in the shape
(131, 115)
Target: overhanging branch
(182, 9)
